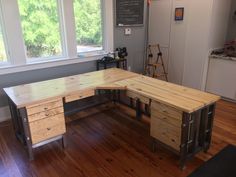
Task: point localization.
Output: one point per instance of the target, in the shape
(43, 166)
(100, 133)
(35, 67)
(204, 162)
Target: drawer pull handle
(45, 108)
(48, 129)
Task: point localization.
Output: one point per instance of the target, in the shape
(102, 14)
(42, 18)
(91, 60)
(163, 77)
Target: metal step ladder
(155, 67)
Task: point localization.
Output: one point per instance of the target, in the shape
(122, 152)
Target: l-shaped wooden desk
(181, 118)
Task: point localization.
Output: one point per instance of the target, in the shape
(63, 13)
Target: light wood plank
(166, 118)
(179, 97)
(80, 95)
(44, 106)
(110, 87)
(28, 94)
(135, 96)
(47, 132)
(165, 97)
(45, 114)
(190, 93)
(166, 133)
(47, 122)
(167, 110)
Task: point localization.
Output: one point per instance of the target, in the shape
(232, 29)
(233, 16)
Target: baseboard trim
(4, 113)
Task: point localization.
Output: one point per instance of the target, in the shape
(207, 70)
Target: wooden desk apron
(181, 118)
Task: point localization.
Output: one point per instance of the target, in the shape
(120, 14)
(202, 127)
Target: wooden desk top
(182, 98)
(28, 94)
(185, 99)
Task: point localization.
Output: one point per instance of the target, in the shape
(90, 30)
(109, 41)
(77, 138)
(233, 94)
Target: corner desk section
(181, 118)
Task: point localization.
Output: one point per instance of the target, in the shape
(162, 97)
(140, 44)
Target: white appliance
(221, 77)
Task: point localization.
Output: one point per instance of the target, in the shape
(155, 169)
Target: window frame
(62, 39)
(102, 28)
(2, 22)
(17, 54)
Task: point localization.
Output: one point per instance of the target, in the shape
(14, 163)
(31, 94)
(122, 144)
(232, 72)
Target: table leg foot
(182, 165)
(63, 142)
(153, 145)
(31, 154)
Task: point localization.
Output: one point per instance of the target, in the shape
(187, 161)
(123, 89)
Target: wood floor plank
(108, 143)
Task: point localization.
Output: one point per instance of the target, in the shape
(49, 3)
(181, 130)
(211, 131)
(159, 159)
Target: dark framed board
(129, 12)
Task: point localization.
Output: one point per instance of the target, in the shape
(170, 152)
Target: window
(88, 22)
(3, 56)
(41, 28)
(51, 33)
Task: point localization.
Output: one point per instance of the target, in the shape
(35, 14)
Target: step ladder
(155, 67)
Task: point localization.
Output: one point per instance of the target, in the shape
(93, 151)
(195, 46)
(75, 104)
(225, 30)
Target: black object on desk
(106, 62)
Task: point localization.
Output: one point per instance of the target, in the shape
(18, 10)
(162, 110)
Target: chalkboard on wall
(129, 12)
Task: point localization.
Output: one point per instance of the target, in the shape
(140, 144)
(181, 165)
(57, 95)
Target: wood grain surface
(182, 98)
(108, 144)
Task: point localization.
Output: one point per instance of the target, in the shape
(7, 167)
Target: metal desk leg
(206, 126)
(211, 115)
(63, 141)
(131, 102)
(153, 145)
(24, 119)
(117, 64)
(184, 140)
(17, 122)
(138, 109)
(13, 111)
(124, 65)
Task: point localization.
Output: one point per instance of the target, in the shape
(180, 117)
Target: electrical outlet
(128, 31)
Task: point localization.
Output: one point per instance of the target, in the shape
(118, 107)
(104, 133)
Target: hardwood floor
(107, 143)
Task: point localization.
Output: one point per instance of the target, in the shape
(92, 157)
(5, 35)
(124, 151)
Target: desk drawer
(47, 128)
(166, 118)
(80, 95)
(166, 133)
(45, 114)
(142, 99)
(44, 106)
(164, 110)
(166, 123)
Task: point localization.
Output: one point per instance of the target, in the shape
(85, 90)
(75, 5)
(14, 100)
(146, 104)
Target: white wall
(197, 37)
(169, 34)
(219, 22)
(218, 31)
(159, 26)
(232, 23)
(221, 78)
(204, 27)
(178, 43)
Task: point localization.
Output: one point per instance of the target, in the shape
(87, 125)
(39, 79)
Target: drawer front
(80, 95)
(142, 99)
(45, 129)
(164, 110)
(45, 114)
(175, 121)
(166, 133)
(44, 106)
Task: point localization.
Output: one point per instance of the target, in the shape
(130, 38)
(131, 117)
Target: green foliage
(3, 56)
(41, 28)
(40, 24)
(88, 22)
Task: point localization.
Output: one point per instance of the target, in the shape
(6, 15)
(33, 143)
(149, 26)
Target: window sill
(42, 64)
